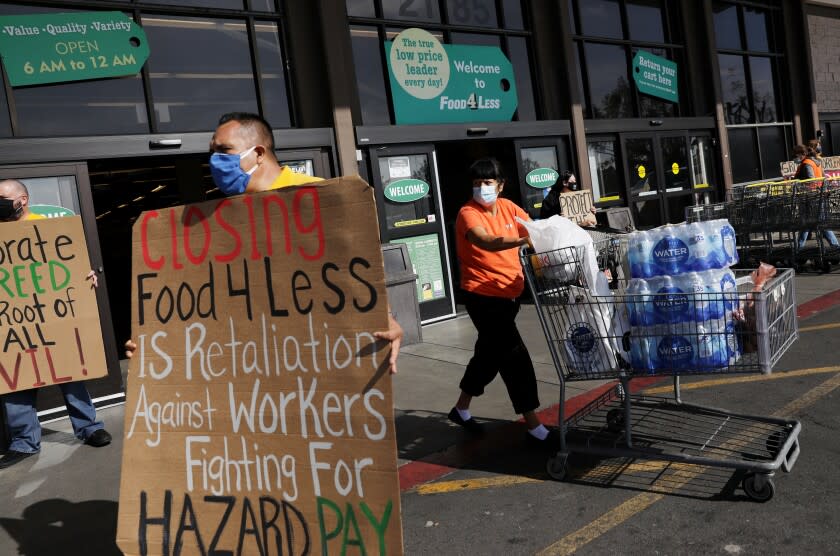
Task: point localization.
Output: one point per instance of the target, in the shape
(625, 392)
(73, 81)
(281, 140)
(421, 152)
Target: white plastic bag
(558, 232)
(588, 347)
(595, 328)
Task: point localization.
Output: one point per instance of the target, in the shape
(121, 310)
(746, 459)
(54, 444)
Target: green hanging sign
(655, 76)
(448, 83)
(61, 47)
(50, 211)
(406, 191)
(542, 178)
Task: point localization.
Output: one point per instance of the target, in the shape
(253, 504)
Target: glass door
(643, 179)
(408, 197)
(666, 173)
(540, 161)
(62, 190)
(677, 179)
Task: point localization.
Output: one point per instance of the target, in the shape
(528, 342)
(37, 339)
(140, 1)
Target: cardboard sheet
(576, 205)
(49, 320)
(259, 413)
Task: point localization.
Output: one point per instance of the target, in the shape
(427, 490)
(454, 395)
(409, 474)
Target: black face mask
(8, 211)
(573, 185)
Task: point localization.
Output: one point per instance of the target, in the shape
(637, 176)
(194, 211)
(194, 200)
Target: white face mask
(485, 195)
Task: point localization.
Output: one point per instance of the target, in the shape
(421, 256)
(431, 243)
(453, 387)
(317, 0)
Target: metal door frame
(445, 308)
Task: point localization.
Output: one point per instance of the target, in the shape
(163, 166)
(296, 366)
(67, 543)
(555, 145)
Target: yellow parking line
(618, 515)
(820, 327)
(474, 484)
(741, 379)
(574, 541)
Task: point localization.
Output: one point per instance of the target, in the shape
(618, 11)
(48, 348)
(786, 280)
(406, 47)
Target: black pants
(499, 350)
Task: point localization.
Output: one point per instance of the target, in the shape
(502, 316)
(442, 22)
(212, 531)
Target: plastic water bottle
(716, 254)
(670, 252)
(698, 245)
(640, 303)
(641, 247)
(701, 297)
(711, 349)
(730, 249)
(716, 306)
(728, 290)
(732, 340)
(671, 302)
(641, 358)
(632, 254)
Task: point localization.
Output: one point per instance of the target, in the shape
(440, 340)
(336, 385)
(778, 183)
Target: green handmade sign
(655, 76)
(60, 47)
(448, 83)
(406, 191)
(542, 178)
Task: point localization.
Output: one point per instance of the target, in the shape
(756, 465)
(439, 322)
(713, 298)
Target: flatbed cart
(621, 424)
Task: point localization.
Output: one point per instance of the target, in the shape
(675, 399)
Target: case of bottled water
(681, 298)
(670, 251)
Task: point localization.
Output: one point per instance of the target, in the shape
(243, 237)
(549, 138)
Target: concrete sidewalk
(65, 499)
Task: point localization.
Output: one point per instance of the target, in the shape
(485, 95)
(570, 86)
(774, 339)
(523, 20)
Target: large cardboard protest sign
(259, 412)
(49, 321)
(576, 205)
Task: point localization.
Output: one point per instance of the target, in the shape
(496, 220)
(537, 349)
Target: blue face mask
(228, 174)
(485, 195)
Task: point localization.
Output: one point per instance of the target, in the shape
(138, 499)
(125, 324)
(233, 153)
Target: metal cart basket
(590, 338)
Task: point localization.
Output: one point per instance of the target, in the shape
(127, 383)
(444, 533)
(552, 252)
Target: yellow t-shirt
(287, 177)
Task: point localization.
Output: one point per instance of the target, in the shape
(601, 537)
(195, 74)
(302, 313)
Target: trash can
(401, 283)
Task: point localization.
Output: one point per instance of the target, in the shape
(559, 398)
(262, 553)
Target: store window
(199, 68)
(223, 4)
(603, 166)
(608, 34)
(751, 61)
(474, 22)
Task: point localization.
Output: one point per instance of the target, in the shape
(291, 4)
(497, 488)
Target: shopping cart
(621, 424)
(768, 218)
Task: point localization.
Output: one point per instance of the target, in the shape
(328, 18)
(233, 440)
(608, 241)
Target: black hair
(565, 175)
(487, 169)
(255, 124)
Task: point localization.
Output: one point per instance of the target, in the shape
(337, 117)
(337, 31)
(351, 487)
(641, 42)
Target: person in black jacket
(551, 204)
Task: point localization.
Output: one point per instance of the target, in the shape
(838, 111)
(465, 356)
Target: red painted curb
(811, 308)
(438, 464)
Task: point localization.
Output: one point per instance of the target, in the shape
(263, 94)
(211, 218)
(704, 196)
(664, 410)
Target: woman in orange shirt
(487, 241)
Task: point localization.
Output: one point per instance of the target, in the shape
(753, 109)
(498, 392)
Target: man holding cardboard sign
(243, 140)
(44, 318)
